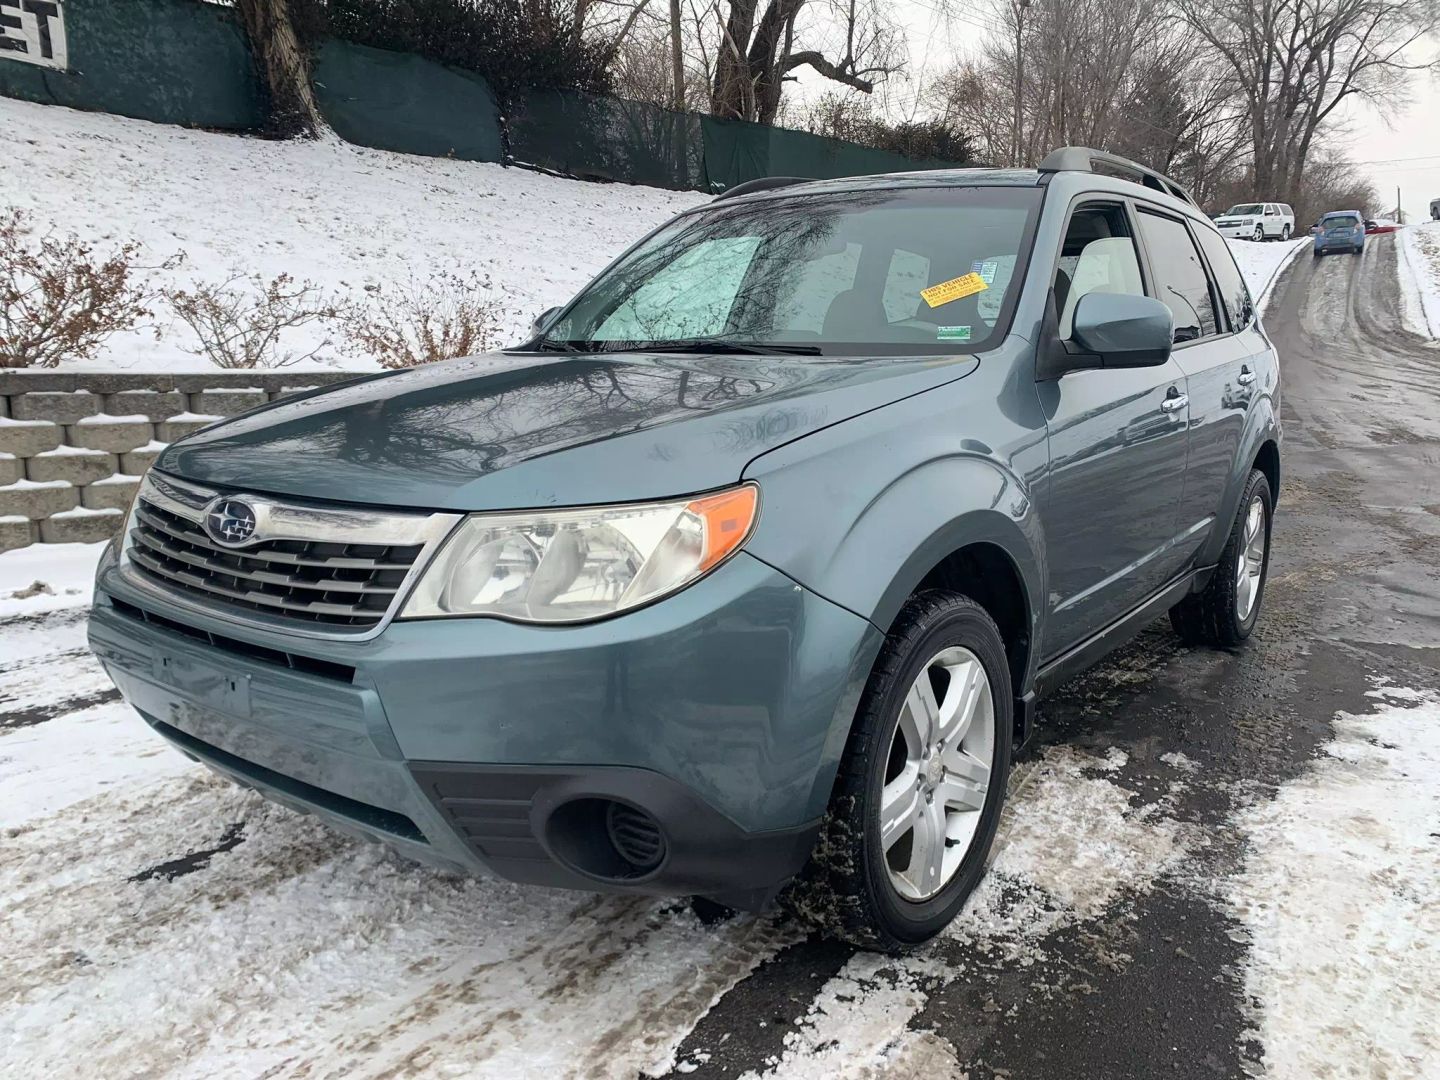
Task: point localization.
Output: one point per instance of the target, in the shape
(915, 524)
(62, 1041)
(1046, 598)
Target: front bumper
(1237, 232)
(720, 713)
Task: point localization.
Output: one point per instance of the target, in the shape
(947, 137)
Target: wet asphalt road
(1153, 986)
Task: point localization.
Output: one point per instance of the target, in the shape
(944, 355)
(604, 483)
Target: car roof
(1341, 213)
(1066, 182)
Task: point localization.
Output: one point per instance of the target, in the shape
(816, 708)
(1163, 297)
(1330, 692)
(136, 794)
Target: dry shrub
(239, 322)
(405, 324)
(59, 300)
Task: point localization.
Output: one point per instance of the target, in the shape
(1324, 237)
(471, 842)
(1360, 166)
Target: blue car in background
(1340, 230)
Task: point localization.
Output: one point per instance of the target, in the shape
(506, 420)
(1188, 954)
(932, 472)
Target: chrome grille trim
(299, 574)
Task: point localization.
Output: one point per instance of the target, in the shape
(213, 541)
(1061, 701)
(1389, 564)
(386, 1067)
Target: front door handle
(1246, 376)
(1174, 404)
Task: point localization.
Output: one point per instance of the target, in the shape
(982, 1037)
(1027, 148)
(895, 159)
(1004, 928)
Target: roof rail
(1084, 159)
(763, 183)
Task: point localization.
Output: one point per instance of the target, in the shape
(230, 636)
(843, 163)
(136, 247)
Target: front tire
(1259, 234)
(918, 797)
(1224, 613)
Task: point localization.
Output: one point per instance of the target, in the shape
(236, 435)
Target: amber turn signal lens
(729, 517)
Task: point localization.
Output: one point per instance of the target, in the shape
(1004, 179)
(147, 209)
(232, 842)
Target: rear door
(1220, 372)
(1117, 449)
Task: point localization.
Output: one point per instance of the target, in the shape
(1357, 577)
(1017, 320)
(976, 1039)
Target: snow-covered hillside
(328, 212)
(338, 215)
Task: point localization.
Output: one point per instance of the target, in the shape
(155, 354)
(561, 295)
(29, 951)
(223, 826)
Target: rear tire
(1224, 613)
(911, 821)
(1285, 233)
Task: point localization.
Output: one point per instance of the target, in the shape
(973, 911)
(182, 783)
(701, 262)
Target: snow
(1418, 250)
(71, 451)
(66, 570)
(339, 215)
(1339, 895)
(1260, 264)
(35, 485)
(107, 418)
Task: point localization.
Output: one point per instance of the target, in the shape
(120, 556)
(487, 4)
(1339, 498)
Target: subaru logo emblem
(230, 522)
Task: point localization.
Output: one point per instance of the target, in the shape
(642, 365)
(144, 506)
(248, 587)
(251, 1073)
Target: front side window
(895, 272)
(1098, 255)
(1180, 278)
(1228, 282)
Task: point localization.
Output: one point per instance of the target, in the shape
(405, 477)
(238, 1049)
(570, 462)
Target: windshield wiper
(548, 345)
(711, 345)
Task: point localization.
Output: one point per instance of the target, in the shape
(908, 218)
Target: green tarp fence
(402, 102)
(187, 62)
(737, 151)
(603, 138)
(171, 61)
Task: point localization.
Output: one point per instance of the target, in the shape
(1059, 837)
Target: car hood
(509, 431)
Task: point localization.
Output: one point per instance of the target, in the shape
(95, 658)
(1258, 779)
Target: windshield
(1246, 208)
(857, 273)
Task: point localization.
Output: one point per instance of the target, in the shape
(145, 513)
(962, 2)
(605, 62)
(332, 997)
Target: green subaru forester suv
(742, 577)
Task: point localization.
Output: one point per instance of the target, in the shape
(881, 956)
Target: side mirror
(542, 320)
(1124, 331)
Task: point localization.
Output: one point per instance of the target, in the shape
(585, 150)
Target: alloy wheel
(1251, 563)
(938, 773)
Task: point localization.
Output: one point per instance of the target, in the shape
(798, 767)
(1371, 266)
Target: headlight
(566, 566)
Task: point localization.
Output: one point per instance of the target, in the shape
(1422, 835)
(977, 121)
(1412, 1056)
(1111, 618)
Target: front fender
(861, 515)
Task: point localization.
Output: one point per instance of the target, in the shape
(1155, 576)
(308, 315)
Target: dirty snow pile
(1339, 894)
(1418, 249)
(339, 215)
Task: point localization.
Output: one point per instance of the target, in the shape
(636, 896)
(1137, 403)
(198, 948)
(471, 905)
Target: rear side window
(1180, 278)
(1233, 294)
(1286, 211)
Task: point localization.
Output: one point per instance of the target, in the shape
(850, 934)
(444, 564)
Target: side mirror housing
(543, 320)
(1124, 331)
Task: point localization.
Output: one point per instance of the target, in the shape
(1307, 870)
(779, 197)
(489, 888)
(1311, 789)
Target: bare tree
(852, 42)
(1293, 62)
(284, 66)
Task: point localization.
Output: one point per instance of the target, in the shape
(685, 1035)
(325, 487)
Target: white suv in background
(1257, 221)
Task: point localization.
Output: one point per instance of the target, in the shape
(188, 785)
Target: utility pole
(677, 61)
(1399, 214)
(1020, 6)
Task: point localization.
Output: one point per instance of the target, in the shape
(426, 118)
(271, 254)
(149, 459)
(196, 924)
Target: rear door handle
(1174, 404)
(1246, 377)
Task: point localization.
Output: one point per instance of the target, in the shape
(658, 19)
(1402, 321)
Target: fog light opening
(606, 839)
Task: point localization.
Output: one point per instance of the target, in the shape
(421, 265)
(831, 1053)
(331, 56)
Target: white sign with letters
(33, 32)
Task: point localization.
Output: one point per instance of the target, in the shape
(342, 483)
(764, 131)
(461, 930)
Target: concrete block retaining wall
(73, 447)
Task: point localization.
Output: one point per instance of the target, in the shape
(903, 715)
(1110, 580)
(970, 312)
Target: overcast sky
(1400, 149)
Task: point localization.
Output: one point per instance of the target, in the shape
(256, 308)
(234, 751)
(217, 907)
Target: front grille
(326, 669)
(334, 584)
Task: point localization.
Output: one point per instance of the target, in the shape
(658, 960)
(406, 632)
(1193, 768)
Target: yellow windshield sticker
(954, 289)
